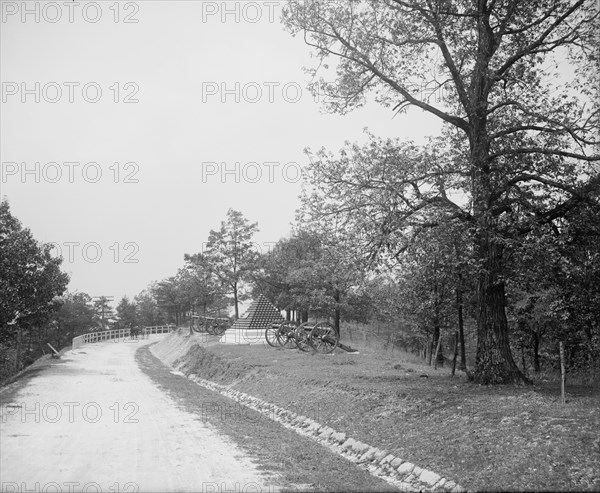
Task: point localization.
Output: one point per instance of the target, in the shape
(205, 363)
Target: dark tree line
(30, 283)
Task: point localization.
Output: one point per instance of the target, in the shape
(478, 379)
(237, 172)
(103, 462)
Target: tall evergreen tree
(232, 255)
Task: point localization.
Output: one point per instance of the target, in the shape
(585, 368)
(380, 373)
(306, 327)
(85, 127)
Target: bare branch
(542, 150)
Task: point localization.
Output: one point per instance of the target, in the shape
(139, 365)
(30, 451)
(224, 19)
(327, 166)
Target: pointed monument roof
(260, 315)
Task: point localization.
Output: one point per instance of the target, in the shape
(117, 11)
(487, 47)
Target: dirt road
(95, 422)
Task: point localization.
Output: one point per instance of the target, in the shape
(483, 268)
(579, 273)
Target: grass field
(484, 438)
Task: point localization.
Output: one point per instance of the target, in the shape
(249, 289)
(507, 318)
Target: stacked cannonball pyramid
(260, 315)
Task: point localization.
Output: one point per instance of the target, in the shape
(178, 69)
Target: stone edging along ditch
(402, 474)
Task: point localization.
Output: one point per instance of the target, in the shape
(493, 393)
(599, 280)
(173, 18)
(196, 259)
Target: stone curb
(395, 471)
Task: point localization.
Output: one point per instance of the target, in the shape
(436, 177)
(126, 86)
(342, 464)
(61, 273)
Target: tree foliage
(74, 317)
(205, 292)
(30, 283)
(103, 312)
(232, 255)
(149, 313)
(520, 144)
(316, 270)
(127, 315)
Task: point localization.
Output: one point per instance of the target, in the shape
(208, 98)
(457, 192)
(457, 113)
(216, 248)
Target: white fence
(105, 335)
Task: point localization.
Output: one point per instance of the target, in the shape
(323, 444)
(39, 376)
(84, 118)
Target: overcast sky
(82, 90)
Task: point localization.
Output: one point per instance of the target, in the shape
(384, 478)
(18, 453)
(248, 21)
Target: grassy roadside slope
(485, 438)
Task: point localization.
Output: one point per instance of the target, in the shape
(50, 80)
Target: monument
(250, 329)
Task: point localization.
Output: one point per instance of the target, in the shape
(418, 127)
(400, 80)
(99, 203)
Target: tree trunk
(429, 349)
(435, 349)
(563, 372)
(437, 352)
(455, 353)
(29, 340)
(494, 363)
(589, 347)
(536, 352)
(235, 301)
(336, 320)
(337, 314)
(461, 324)
(19, 348)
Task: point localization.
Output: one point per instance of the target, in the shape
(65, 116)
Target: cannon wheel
(323, 338)
(272, 336)
(285, 334)
(219, 328)
(199, 326)
(302, 336)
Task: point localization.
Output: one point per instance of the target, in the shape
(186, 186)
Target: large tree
(147, 305)
(521, 141)
(330, 277)
(103, 312)
(172, 298)
(202, 285)
(231, 254)
(276, 274)
(74, 317)
(127, 315)
(556, 292)
(431, 275)
(30, 282)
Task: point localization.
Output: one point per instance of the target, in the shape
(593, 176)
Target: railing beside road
(105, 335)
(158, 329)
